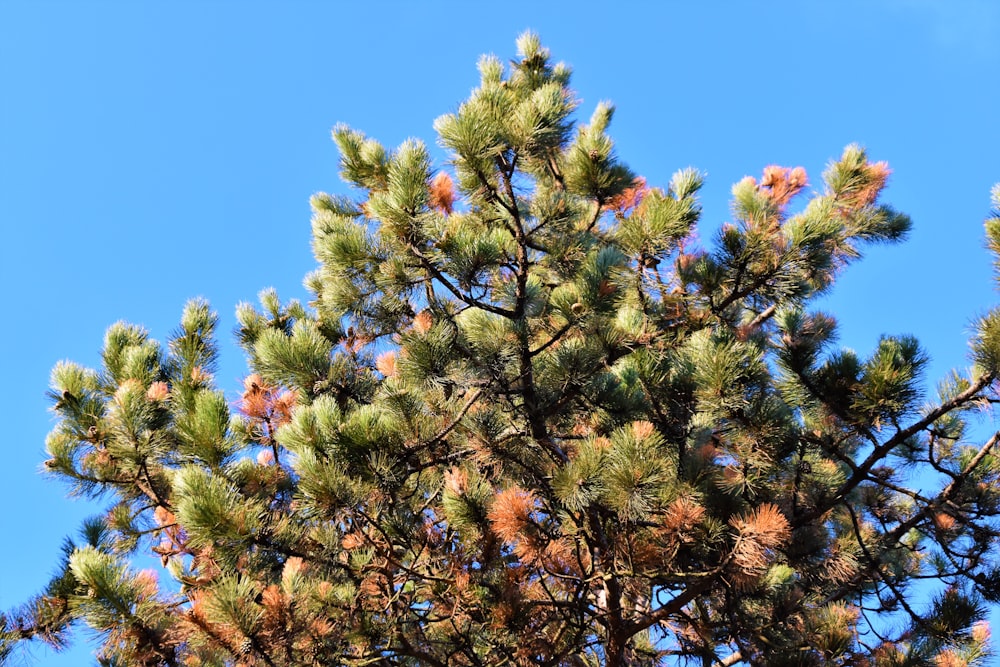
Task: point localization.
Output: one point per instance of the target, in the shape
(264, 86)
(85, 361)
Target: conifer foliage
(527, 420)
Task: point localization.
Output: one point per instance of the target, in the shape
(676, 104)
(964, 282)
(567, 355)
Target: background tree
(527, 420)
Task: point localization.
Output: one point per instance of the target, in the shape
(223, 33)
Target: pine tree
(527, 420)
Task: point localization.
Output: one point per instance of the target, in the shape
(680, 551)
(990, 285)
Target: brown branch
(764, 316)
(597, 214)
(444, 432)
(674, 606)
(554, 339)
(730, 660)
(883, 450)
(441, 278)
(891, 538)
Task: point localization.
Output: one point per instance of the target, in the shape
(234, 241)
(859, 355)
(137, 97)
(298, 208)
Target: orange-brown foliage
(422, 322)
(760, 533)
(876, 174)
(148, 583)
(158, 391)
(321, 627)
(840, 567)
(560, 556)
(352, 540)
(767, 525)
(642, 429)
(981, 632)
(681, 517)
(386, 363)
(511, 512)
(273, 599)
(630, 198)
(266, 403)
(442, 193)
(372, 590)
(780, 184)
(293, 566)
(943, 521)
(163, 516)
(456, 481)
(949, 658)
(200, 376)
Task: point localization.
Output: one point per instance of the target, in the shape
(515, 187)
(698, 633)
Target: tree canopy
(527, 419)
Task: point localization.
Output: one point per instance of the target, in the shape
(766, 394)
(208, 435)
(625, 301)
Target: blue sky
(153, 152)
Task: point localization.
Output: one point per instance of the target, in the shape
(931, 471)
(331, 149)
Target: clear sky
(151, 152)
